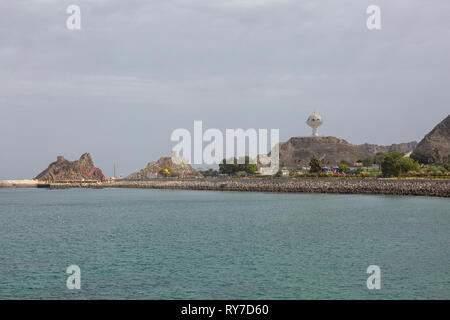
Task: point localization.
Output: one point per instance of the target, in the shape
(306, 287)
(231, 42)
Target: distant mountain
(65, 170)
(299, 150)
(438, 138)
(402, 147)
(182, 170)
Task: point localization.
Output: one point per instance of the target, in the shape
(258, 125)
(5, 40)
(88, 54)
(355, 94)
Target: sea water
(166, 244)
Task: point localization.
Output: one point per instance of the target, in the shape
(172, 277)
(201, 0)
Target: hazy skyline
(137, 70)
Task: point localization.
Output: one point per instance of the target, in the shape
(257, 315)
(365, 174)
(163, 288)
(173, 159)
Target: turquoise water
(162, 244)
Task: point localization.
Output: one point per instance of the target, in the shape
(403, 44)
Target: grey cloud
(139, 69)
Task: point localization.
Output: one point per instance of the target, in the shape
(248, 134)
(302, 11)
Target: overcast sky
(139, 69)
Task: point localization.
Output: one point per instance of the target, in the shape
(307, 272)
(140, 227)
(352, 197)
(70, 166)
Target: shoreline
(433, 188)
(407, 187)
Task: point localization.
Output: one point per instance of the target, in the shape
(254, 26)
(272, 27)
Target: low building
(264, 171)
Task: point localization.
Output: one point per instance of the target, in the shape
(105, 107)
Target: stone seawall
(435, 188)
(18, 183)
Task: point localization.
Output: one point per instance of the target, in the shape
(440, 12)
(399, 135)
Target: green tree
(227, 168)
(235, 167)
(390, 166)
(407, 164)
(379, 156)
(250, 168)
(367, 162)
(343, 167)
(241, 174)
(394, 164)
(210, 173)
(315, 165)
(422, 157)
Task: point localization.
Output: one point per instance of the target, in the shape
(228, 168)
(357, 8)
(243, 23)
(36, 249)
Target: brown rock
(152, 170)
(300, 150)
(438, 138)
(65, 170)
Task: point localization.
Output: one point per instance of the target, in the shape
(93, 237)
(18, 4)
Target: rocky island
(63, 170)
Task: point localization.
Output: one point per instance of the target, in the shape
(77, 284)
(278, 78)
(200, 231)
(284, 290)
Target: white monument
(314, 121)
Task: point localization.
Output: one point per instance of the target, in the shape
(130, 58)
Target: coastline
(410, 187)
(432, 188)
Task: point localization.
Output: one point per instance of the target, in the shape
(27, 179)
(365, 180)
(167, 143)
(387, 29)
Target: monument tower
(314, 121)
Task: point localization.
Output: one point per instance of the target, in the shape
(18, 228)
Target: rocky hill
(299, 150)
(438, 138)
(402, 147)
(153, 170)
(65, 170)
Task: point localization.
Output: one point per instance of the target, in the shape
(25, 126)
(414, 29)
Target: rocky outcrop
(65, 170)
(438, 138)
(402, 147)
(299, 150)
(153, 170)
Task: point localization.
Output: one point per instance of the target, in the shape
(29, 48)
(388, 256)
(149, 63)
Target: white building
(314, 121)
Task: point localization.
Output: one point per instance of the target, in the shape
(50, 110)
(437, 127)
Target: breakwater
(417, 187)
(18, 183)
(435, 188)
